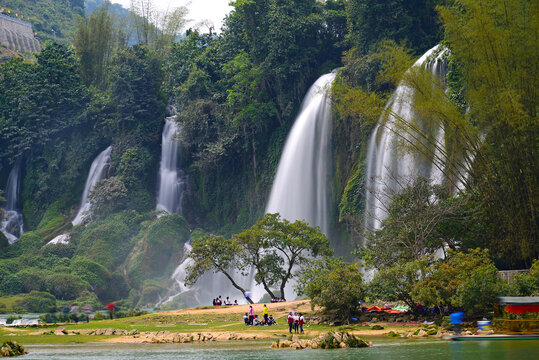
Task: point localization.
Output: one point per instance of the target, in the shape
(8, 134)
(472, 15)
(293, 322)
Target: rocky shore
(330, 340)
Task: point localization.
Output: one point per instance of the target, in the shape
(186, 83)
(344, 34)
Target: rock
(86, 331)
(100, 331)
(58, 332)
(422, 333)
(132, 332)
(61, 328)
(109, 332)
(432, 331)
(42, 332)
(337, 336)
(284, 344)
(342, 345)
(275, 345)
(295, 338)
(377, 327)
(295, 346)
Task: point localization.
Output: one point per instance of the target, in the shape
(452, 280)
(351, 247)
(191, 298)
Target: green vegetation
(236, 94)
(276, 248)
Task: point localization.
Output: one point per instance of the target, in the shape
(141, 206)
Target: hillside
(414, 159)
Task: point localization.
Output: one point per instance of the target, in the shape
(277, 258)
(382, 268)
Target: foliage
(413, 22)
(333, 284)
(107, 196)
(279, 249)
(415, 223)
(397, 282)
(38, 302)
(215, 254)
(51, 19)
(499, 92)
(478, 292)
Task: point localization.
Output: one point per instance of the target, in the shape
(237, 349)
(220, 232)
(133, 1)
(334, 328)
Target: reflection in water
(383, 348)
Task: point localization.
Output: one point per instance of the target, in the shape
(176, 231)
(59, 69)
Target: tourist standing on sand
(301, 322)
(251, 314)
(290, 322)
(265, 313)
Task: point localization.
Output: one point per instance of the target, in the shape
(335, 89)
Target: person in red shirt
(301, 322)
(290, 322)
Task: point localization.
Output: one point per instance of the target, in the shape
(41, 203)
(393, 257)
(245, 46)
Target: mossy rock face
(11, 348)
(158, 249)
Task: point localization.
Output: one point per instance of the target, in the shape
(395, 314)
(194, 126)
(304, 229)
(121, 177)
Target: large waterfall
(172, 180)
(300, 188)
(388, 167)
(13, 224)
(96, 173)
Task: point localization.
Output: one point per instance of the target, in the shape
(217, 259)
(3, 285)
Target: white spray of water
(13, 224)
(386, 165)
(96, 173)
(172, 180)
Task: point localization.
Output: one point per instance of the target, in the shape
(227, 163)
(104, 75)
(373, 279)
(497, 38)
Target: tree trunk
(237, 286)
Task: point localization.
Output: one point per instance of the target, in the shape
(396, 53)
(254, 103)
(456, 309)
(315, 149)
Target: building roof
(518, 300)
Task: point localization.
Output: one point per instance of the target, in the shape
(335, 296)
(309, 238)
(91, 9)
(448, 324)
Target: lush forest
(236, 94)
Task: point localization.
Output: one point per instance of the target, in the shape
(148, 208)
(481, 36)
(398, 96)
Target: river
(382, 349)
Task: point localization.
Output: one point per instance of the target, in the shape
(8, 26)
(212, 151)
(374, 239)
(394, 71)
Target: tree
(451, 281)
(95, 40)
(215, 254)
(415, 223)
(396, 282)
(279, 249)
(333, 284)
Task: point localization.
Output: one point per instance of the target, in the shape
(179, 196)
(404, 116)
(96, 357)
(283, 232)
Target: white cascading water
(387, 166)
(96, 173)
(300, 188)
(13, 224)
(172, 180)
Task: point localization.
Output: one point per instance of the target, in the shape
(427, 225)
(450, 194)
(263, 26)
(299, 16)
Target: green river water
(381, 349)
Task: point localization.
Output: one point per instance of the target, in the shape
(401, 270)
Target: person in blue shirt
(456, 319)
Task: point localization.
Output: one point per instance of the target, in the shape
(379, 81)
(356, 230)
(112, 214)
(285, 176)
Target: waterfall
(13, 224)
(300, 188)
(172, 180)
(96, 173)
(387, 167)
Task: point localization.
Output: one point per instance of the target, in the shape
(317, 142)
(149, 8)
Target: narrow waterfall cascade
(13, 223)
(97, 170)
(179, 275)
(388, 168)
(300, 189)
(172, 180)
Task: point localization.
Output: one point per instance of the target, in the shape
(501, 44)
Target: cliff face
(17, 35)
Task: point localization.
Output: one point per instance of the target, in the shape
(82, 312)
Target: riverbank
(203, 324)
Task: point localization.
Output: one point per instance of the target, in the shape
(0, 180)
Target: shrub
(38, 302)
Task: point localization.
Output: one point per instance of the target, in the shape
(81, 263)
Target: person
(227, 302)
(88, 310)
(271, 320)
(301, 322)
(214, 302)
(256, 322)
(236, 302)
(290, 322)
(251, 314)
(456, 319)
(110, 308)
(246, 319)
(296, 323)
(265, 313)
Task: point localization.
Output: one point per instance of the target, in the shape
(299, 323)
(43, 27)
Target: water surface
(382, 349)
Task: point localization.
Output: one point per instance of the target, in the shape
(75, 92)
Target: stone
(133, 332)
(284, 344)
(86, 331)
(422, 333)
(61, 328)
(108, 332)
(58, 332)
(275, 345)
(343, 345)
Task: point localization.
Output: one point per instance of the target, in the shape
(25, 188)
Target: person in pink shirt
(251, 315)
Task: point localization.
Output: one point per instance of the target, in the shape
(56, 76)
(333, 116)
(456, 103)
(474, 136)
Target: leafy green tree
(397, 281)
(448, 281)
(412, 228)
(95, 42)
(499, 91)
(333, 284)
(478, 292)
(215, 254)
(279, 249)
(135, 90)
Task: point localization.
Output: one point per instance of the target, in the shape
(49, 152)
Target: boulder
(285, 344)
(58, 332)
(422, 333)
(108, 332)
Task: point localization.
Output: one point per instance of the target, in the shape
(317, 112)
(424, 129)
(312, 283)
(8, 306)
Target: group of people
(276, 300)
(218, 301)
(250, 318)
(295, 322)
